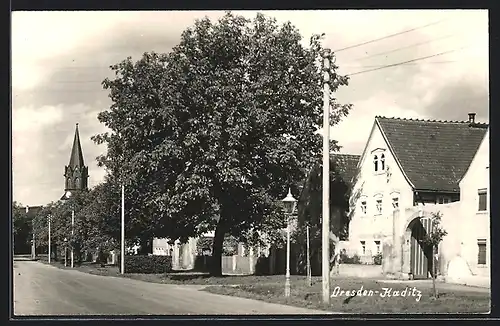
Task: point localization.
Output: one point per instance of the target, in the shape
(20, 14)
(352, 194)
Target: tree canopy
(211, 135)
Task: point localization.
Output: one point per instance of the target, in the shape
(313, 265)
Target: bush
(345, 259)
(143, 264)
(377, 259)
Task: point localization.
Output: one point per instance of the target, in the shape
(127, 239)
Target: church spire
(76, 173)
(76, 158)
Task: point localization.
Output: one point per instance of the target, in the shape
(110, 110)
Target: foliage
(208, 136)
(437, 233)
(230, 246)
(145, 264)
(345, 259)
(377, 259)
(21, 227)
(96, 218)
(433, 239)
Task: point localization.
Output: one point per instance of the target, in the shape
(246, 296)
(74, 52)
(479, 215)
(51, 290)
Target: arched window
(375, 162)
(382, 162)
(68, 183)
(77, 183)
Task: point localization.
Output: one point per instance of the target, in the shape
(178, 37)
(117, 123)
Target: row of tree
(207, 137)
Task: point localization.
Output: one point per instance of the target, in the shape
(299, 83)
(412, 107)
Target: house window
(379, 206)
(363, 207)
(377, 246)
(395, 202)
(363, 247)
(482, 194)
(382, 162)
(375, 162)
(481, 251)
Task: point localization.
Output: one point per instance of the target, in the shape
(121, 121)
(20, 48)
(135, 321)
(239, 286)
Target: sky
(59, 60)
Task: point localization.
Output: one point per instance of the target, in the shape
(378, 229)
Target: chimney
(472, 117)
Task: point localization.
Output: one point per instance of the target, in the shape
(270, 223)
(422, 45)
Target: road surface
(41, 289)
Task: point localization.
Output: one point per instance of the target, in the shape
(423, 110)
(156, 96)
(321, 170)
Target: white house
(475, 213)
(409, 163)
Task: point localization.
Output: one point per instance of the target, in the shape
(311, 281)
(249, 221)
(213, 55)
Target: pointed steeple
(76, 173)
(76, 158)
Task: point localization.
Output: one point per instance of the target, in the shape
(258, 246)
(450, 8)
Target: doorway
(420, 253)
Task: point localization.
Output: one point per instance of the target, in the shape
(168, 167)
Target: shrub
(345, 259)
(377, 259)
(143, 264)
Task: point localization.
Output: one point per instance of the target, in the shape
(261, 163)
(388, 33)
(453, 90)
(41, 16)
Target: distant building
(76, 174)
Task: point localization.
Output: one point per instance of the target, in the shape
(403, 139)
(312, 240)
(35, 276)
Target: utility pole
(72, 237)
(326, 178)
(122, 254)
(50, 251)
(309, 278)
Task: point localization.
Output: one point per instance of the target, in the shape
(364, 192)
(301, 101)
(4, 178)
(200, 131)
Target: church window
(375, 162)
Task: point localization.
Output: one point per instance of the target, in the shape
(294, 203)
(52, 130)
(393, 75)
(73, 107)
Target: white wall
(370, 184)
(475, 224)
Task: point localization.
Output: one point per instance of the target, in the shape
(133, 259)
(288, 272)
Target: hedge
(144, 264)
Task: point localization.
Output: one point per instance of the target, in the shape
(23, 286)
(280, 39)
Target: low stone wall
(361, 270)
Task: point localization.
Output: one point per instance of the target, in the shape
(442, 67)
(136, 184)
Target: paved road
(40, 289)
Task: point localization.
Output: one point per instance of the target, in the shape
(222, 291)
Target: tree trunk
(145, 246)
(216, 261)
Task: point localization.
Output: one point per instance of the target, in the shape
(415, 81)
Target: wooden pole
(50, 251)
(72, 238)
(309, 276)
(326, 180)
(122, 259)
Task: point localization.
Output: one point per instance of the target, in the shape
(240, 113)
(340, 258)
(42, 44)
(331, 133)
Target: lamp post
(289, 203)
(65, 252)
(72, 255)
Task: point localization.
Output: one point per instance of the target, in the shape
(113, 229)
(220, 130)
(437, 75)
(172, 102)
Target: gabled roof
(76, 158)
(33, 211)
(434, 155)
(347, 165)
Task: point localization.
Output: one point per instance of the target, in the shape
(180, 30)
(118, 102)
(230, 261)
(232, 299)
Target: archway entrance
(420, 254)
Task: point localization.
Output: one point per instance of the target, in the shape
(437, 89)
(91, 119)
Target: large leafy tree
(210, 135)
(22, 229)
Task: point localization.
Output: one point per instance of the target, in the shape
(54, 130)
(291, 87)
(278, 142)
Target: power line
(404, 62)
(404, 47)
(389, 36)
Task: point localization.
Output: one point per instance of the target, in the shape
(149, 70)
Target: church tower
(76, 173)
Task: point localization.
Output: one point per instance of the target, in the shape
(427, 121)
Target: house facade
(409, 171)
(475, 212)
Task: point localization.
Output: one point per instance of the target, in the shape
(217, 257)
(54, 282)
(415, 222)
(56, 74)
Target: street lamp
(68, 195)
(289, 202)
